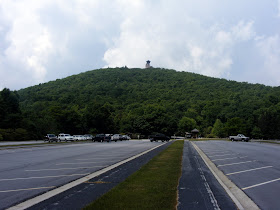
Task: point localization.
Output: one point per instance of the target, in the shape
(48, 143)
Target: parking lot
(27, 172)
(253, 167)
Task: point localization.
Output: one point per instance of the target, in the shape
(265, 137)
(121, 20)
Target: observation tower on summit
(148, 64)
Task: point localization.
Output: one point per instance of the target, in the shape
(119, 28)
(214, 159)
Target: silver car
(65, 137)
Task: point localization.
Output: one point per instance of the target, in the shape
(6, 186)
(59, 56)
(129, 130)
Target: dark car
(125, 137)
(102, 137)
(159, 137)
(50, 138)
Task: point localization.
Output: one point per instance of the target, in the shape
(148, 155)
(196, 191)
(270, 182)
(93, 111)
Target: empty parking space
(251, 166)
(27, 172)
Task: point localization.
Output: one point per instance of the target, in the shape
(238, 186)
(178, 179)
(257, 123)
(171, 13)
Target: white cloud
(269, 49)
(180, 43)
(42, 34)
(48, 39)
(278, 8)
(244, 31)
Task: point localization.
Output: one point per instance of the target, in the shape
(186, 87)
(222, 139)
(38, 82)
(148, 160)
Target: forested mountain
(143, 101)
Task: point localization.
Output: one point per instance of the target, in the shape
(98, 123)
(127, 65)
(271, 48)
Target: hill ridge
(123, 100)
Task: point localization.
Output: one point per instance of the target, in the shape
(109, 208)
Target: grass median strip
(154, 186)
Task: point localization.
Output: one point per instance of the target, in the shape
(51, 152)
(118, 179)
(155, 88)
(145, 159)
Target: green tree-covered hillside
(123, 100)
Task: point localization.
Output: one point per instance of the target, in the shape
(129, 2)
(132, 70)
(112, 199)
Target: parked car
(117, 137)
(159, 137)
(65, 137)
(50, 138)
(239, 137)
(125, 137)
(79, 138)
(88, 136)
(102, 137)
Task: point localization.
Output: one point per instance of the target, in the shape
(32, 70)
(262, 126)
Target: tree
(186, 124)
(269, 122)
(218, 129)
(234, 126)
(257, 133)
(10, 114)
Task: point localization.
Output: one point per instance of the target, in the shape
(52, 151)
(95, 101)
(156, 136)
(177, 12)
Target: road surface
(27, 172)
(253, 167)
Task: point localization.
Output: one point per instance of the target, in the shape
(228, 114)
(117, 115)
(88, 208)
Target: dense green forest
(140, 101)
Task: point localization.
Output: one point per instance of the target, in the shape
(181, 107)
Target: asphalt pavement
(253, 167)
(27, 172)
(10, 143)
(31, 171)
(198, 188)
(85, 193)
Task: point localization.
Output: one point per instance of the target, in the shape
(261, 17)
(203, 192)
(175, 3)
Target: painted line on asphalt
(263, 183)
(208, 188)
(229, 158)
(253, 169)
(58, 169)
(41, 177)
(99, 158)
(214, 153)
(116, 155)
(27, 189)
(58, 164)
(230, 164)
(220, 155)
(241, 200)
(217, 150)
(49, 194)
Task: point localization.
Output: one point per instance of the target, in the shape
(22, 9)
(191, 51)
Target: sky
(47, 40)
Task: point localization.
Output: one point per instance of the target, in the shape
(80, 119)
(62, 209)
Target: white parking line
(28, 203)
(214, 150)
(254, 169)
(229, 158)
(42, 177)
(58, 169)
(263, 183)
(220, 155)
(99, 158)
(58, 164)
(235, 163)
(27, 189)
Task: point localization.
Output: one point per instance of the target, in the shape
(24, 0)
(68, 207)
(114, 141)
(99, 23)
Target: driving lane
(253, 167)
(25, 173)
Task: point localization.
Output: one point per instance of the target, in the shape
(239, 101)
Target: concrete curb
(49, 194)
(241, 200)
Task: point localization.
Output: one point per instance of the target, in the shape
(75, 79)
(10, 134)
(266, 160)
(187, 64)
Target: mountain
(143, 101)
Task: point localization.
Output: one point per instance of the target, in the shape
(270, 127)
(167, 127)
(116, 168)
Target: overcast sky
(42, 40)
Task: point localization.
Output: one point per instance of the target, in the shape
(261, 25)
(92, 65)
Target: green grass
(154, 186)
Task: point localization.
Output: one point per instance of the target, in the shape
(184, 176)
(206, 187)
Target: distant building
(195, 133)
(148, 64)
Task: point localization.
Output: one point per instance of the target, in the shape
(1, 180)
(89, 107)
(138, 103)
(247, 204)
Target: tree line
(140, 101)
